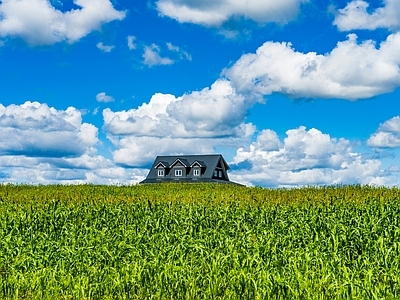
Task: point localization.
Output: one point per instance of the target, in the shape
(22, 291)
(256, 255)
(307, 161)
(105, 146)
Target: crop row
(199, 242)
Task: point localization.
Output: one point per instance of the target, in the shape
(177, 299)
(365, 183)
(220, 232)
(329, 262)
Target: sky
(292, 92)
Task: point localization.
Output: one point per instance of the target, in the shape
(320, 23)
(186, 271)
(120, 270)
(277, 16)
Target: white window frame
(178, 173)
(215, 173)
(220, 174)
(160, 173)
(196, 172)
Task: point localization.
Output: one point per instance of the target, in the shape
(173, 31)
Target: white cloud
(103, 97)
(216, 12)
(306, 157)
(219, 112)
(139, 151)
(39, 23)
(34, 129)
(104, 48)
(387, 135)
(152, 56)
(356, 16)
(170, 55)
(195, 123)
(172, 47)
(42, 145)
(351, 71)
(213, 112)
(89, 168)
(131, 44)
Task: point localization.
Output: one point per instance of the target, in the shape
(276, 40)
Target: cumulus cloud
(141, 151)
(186, 116)
(305, 157)
(387, 135)
(103, 97)
(356, 16)
(39, 23)
(219, 112)
(104, 48)
(40, 144)
(216, 12)
(88, 168)
(179, 124)
(34, 129)
(350, 71)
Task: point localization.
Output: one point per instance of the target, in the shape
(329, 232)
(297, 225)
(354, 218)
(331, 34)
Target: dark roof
(207, 164)
(180, 160)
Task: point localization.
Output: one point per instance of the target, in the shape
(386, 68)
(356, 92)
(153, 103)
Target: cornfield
(199, 241)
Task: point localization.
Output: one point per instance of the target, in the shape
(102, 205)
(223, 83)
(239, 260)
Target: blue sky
(291, 92)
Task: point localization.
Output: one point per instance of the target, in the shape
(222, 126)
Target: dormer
(162, 168)
(180, 168)
(197, 168)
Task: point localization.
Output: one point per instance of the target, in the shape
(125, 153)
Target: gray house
(189, 168)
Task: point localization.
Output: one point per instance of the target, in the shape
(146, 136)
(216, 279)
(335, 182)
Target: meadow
(199, 241)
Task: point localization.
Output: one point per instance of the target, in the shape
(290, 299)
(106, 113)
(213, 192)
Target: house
(189, 168)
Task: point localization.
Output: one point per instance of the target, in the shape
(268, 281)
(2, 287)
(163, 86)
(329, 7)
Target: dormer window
(160, 173)
(178, 172)
(196, 172)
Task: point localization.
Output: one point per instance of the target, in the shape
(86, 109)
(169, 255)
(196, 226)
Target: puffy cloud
(192, 123)
(40, 144)
(387, 135)
(141, 151)
(212, 112)
(34, 129)
(104, 48)
(131, 44)
(306, 157)
(356, 16)
(351, 71)
(103, 97)
(89, 168)
(39, 23)
(216, 12)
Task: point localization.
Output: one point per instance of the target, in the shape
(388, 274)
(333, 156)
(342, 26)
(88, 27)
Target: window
(215, 173)
(160, 172)
(219, 173)
(196, 172)
(178, 172)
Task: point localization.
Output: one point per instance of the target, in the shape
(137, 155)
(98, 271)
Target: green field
(187, 241)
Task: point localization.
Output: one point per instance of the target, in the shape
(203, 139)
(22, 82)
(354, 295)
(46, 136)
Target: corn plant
(199, 241)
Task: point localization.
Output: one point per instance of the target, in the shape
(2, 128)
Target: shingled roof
(189, 168)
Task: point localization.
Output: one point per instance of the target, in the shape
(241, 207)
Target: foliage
(199, 241)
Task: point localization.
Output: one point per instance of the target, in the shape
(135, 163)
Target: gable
(180, 162)
(162, 164)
